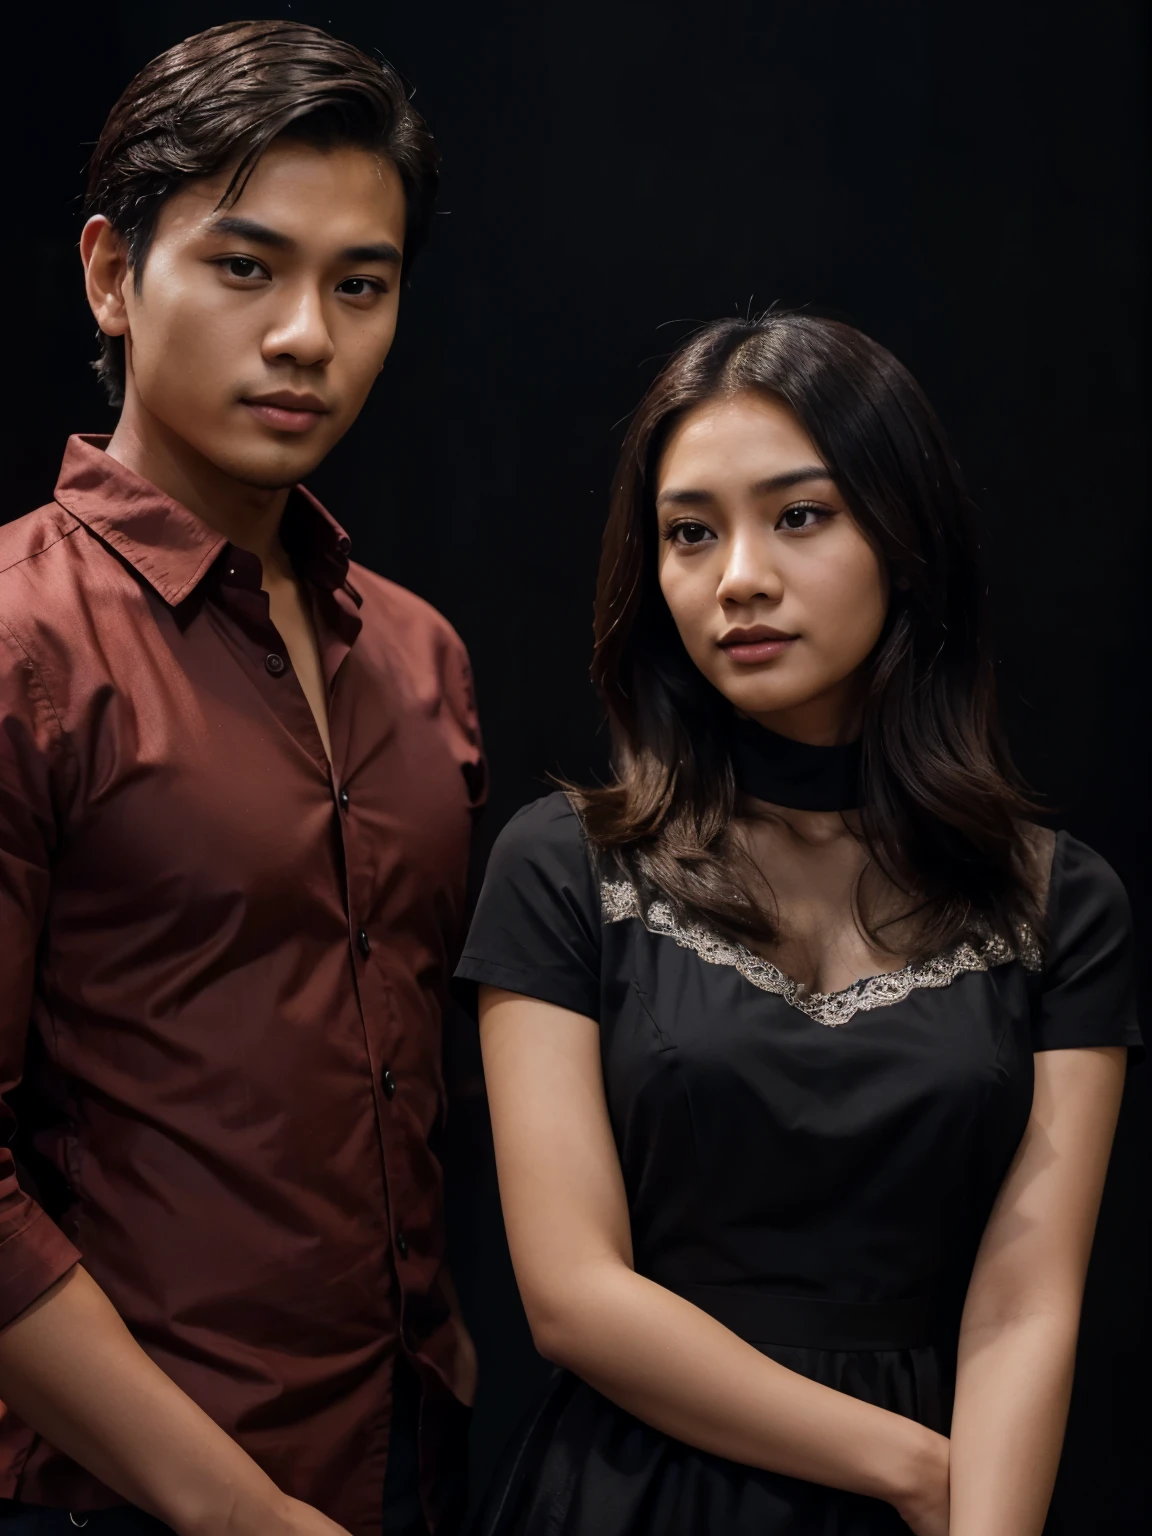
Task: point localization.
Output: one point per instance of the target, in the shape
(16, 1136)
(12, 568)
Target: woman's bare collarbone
(819, 874)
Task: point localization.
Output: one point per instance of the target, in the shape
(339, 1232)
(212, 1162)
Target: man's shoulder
(408, 620)
(33, 536)
(405, 636)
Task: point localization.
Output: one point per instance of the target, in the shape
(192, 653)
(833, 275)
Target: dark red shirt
(226, 962)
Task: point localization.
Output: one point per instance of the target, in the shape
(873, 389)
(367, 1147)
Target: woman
(804, 1046)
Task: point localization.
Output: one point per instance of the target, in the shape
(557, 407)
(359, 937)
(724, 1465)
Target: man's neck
(248, 516)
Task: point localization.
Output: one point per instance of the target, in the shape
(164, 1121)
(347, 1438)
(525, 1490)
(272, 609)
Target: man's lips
(288, 413)
(748, 646)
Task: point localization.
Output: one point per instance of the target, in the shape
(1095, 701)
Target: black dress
(813, 1171)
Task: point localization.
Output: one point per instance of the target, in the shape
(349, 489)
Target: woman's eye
(802, 516)
(689, 533)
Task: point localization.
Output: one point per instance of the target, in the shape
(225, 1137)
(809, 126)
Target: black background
(963, 180)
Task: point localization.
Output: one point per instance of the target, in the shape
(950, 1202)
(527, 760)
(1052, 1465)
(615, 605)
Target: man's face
(259, 327)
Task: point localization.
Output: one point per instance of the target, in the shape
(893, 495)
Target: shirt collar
(170, 546)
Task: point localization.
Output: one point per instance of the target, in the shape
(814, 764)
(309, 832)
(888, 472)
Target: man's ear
(106, 274)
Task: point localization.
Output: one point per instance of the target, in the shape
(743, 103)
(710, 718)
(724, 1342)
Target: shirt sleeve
(34, 1253)
(537, 924)
(1087, 987)
(460, 692)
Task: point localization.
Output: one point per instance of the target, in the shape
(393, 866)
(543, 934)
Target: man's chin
(270, 482)
(268, 472)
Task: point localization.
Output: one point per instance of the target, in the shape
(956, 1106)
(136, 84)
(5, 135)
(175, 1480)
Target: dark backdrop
(962, 179)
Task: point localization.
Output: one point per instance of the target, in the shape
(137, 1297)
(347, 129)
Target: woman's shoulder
(549, 824)
(543, 846)
(536, 929)
(1087, 995)
(1083, 878)
(1062, 866)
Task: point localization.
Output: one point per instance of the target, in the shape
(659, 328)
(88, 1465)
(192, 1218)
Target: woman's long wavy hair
(943, 811)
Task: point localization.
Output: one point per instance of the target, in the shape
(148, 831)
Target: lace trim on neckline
(621, 900)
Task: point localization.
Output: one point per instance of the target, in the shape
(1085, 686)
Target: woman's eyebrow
(684, 498)
(792, 477)
(781, 482)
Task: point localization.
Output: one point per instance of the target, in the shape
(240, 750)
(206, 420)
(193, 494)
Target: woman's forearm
(670, 1364)
(71, 1370)
(1013, 1385)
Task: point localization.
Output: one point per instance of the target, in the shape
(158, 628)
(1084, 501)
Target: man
(236, 778)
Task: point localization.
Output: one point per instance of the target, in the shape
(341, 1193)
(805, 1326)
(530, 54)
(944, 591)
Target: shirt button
(362, 941)
(401, 1245)
(389, 1083)
(275, 663)
(344, 799)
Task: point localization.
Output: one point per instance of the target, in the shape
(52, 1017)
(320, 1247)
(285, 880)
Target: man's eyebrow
(382, 250)
(260, 234)
(783, 482)
(249, 229)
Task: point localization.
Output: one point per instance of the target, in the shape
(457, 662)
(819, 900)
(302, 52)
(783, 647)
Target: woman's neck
(827, 720)
(808, 829)
(794, 775)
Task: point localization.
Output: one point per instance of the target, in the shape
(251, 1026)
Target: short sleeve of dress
(537, 924)
(1087, 987)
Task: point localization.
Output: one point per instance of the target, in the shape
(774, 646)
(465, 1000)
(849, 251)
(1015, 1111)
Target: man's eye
(241, 266)
(357, 287)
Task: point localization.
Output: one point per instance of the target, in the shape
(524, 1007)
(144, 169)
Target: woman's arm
(70, 1369)
(1022, 1314)
(650, 1351)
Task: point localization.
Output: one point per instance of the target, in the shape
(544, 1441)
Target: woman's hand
(923, 1503)
(566, 1214)
(277, 1515)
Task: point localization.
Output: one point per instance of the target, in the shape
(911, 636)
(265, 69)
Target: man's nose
(301, 332)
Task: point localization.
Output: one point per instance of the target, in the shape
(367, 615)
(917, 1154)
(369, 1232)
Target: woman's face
(777, 595)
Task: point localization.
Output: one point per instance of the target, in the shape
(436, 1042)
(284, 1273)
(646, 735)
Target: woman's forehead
(746, 433)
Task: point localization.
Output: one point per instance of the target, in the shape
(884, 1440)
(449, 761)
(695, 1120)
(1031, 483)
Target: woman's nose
(749, 574)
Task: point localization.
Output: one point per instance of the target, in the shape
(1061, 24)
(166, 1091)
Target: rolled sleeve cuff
(31, 1261)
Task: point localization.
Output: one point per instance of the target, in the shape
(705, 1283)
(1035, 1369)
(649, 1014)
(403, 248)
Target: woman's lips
(748, 652)
(282, 417)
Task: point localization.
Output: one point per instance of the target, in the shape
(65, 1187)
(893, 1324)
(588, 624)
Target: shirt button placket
(387, 1080)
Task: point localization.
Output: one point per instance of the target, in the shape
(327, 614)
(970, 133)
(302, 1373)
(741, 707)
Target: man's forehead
(336, 196)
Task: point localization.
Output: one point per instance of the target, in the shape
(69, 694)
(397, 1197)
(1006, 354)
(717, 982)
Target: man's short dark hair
(220, 98)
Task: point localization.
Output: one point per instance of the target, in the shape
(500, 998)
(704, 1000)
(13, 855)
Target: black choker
(793, 773)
